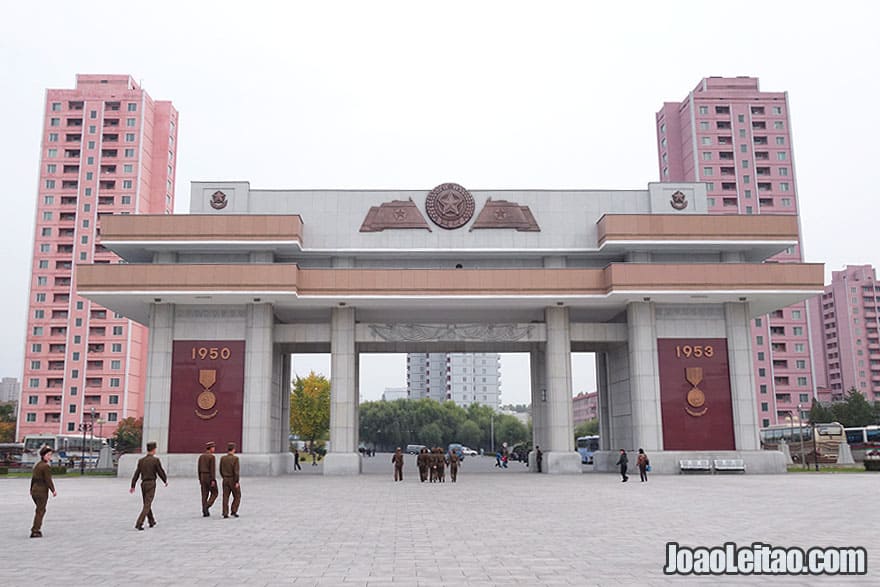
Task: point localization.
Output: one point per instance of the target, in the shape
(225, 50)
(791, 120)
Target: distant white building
(394, 393)
(464, 378)
(10, 389)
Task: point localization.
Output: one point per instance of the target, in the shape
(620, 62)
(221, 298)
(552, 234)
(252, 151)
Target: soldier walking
(229, 473)
(441, 465)
(148, 468)
(208, 478)
(397, 460)
(41, 485)
(422, 463)
(453, 466)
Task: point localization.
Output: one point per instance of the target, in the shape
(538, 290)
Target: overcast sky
(412, 94)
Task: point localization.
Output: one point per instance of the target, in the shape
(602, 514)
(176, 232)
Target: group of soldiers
(149, 469)
(431, 463)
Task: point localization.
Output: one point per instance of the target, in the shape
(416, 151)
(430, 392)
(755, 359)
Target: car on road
(414, 449)
(468, 452)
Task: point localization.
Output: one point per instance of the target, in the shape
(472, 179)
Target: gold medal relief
(695, 397)
(206, 400)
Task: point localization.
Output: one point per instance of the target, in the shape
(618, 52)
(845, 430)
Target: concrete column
(157, 397)
(343, 458)
(256, 434)
(284, 437)
(644, 377)
(605, 433)
(537, 365)
(742, 376)
(560, 456)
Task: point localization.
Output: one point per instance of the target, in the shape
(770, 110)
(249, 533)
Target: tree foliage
(588, 428)
(129, 434)
(310, 407)
(387, 425)
(854, 410)
(7, 422)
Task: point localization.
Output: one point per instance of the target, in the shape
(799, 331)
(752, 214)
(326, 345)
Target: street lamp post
(91, 433)
(82, 460)
(801, 428)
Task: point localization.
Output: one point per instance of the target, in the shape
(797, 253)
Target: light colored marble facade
(610, 272)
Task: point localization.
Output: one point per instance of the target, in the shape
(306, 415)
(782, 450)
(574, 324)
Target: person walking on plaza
(422, 464)
(539, 457)
(208, 478)
(397, 460)
(622, 462)
(440, 460)
(642, 463)
(229, 472)
(148, 468)
(41, 485)
(453, 466)
(296, 466)
(314, 457)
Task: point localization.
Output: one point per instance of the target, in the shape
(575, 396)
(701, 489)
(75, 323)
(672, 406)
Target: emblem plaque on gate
(678, 201)
(218, 200)
(450, 206)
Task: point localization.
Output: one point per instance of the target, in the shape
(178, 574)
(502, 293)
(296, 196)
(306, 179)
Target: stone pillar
(343, 458)
(605, 433)
(644, 377)
(256, 433)
(742, 376)
(559, 456)
(157, 397)
(537, 359)
(284, 437)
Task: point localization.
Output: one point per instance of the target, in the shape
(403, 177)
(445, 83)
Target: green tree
(588, 428)
(469, 433)
(820, 413)
(129, 434)
(7, 422)
(854, 410)
(310, 407)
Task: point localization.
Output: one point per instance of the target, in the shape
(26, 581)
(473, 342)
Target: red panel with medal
(207, 394)
(695, 394)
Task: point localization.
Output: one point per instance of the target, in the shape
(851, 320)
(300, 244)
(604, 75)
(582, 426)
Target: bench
(737, 465)
(694, 465)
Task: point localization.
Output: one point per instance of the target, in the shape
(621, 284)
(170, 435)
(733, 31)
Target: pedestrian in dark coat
(622, 462)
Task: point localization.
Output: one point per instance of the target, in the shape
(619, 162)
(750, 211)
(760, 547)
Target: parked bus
(799, 438)
(862, 440)
(586, 446)
(10, 454)
(67, 447)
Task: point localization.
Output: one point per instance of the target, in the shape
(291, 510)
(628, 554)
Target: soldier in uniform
(229, 473)
(397, 459)
(441, 465)
(208, 478)
(422, 462)
(41, 485)
(453, 466)
(148, 468)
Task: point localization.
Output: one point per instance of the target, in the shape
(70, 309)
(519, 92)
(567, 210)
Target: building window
(30, 417)
(131, 122)
(117, 330)
(704, 110)
(50, 184)
(113, 400)
(56, 106)
(129, 137)
(762, 372)
(743, 148)
(114, 382)
(111, 417)
(764, 406)
(780, 140)
(42, 280)
(704, 125)
(800, 364)
(795, 314)
(706, 140)
(759, 340)
(92, 129)
(776, 110)
(783, 171)
(71, 427)
(781, 155)
(88, 192)
(53, 137)
(778, 124)
(51, 153)
(54, 122)
(116, 347)
(801, 380)
(32, 400)
(799, 347)
(707, 171)
(128, 168)
(126, 184)
(797, 331)
(132, 107)
(126, 200)
(749, 210)
(745, 163)
(129, 153)
(707, 155)
(71, 409)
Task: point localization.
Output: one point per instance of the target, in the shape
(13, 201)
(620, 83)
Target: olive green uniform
(229, 472)
(208, 480)
(41, 485)
(148, 469)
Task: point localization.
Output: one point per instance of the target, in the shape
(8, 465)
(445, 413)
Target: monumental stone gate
(662, 292)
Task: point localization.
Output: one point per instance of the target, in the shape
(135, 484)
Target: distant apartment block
(846, 334)
(107, 148)
(464, 378)
(395, 393)
(10, 389)
(737, 139)
(585, 407)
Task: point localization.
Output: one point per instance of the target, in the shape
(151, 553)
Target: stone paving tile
(488, 529)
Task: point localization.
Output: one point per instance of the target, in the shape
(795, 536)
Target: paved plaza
(492, 527)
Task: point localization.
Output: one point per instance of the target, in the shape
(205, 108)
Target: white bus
(67, 447)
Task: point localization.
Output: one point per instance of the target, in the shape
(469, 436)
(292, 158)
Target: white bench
(694, 465)
(730, 465)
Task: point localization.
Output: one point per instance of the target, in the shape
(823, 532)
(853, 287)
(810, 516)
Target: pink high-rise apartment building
(107, 148)
(737, 139)
(846, 334)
